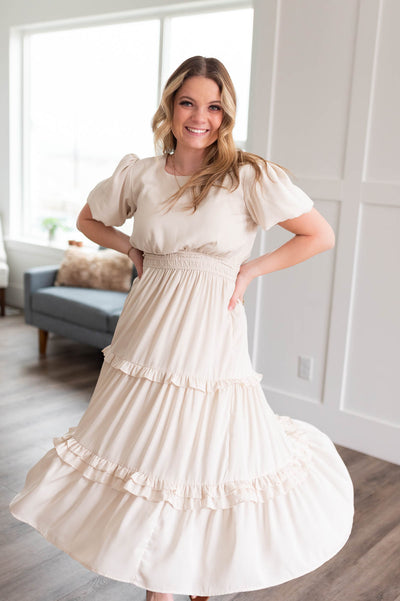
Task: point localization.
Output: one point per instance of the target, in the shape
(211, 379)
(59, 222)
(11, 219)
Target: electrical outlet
(305, 367)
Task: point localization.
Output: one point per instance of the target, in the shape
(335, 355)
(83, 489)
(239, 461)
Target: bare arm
(108, 236)
(105, 235)
(313, 235)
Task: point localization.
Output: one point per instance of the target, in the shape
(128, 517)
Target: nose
(199, 115)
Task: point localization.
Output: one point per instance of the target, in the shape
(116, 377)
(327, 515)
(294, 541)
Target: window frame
(20, 209)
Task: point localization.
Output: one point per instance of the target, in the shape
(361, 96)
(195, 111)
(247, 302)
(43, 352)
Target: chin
(200, 144)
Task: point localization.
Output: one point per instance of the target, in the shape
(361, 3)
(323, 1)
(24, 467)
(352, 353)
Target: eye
(215, 106)
(185, 102)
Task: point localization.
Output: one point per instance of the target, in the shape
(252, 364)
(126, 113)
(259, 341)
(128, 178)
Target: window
(89, 93)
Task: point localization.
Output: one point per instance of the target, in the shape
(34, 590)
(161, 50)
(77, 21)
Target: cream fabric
(179, 477)
(224, 226)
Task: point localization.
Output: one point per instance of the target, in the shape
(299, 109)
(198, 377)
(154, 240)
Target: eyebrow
(189, 98)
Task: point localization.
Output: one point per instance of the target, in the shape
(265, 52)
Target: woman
(179, 477)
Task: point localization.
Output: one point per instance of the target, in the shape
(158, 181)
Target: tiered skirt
(179, 477)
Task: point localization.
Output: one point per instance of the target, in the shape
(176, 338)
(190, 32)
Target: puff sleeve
(112, 201)
(273, 201)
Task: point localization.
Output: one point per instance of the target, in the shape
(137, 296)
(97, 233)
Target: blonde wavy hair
(221, 158)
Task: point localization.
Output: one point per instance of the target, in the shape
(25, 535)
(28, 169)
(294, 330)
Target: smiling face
(198, 113)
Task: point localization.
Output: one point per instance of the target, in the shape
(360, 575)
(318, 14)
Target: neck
(187, 162)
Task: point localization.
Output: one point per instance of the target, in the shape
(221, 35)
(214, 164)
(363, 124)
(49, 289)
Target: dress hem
(141, 583)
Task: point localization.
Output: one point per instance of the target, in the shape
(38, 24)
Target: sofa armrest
(134, 273)
(34, 279)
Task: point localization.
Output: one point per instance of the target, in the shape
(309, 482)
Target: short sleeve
(270, 202)
(112, 201)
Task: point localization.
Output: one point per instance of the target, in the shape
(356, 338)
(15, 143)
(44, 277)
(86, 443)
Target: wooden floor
(42, 398)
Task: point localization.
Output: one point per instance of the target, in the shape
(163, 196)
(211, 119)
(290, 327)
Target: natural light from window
(228, 38)
(90, 93)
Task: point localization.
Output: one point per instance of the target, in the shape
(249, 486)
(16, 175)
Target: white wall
(333, 119)
(325, 104)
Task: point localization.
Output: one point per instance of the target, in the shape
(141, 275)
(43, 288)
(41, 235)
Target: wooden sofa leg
(43, 341)
(3, 301)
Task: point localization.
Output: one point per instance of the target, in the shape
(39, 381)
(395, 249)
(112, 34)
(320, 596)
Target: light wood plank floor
(42, 398)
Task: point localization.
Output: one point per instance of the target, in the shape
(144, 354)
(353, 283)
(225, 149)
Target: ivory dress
(179, 477)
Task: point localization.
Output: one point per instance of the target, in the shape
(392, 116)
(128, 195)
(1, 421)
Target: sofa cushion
(104, 269)
(88, 307)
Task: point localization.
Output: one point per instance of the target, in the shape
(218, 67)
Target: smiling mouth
(195, 131)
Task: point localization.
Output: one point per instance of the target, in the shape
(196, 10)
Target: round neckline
(164, 163)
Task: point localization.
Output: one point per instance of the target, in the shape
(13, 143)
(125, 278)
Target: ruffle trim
(180, 380)
(191, 496)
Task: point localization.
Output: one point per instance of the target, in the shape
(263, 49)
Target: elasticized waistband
(192, 261)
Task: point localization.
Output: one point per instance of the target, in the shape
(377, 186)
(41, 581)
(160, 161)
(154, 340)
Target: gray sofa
(86, 315)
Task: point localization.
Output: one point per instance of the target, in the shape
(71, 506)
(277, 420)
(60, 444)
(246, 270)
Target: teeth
(197, 131)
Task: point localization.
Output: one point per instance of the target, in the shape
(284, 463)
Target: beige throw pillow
(105, 269)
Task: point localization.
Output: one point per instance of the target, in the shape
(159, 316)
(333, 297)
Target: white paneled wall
(333, 119)
(372, 383)
(382, 157)
(324, 103)
(295, 308)
(314, 57)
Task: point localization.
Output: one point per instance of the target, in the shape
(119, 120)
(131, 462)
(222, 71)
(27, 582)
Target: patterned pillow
(105, 269)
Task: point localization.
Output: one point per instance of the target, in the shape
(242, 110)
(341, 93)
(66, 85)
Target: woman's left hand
(243, 279)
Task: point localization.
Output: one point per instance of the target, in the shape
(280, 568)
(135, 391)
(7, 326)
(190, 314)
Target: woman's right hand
(136, 256)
